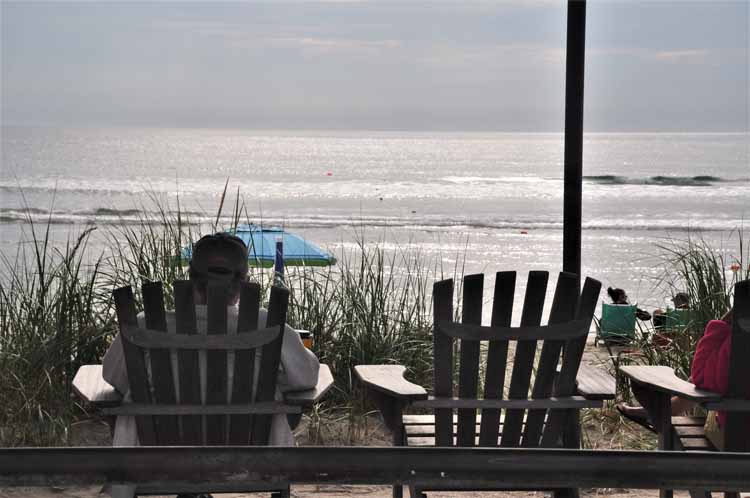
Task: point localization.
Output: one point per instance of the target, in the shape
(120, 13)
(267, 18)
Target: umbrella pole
(574, 78)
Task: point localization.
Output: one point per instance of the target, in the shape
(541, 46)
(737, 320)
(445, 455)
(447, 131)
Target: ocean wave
(111, 217)
(676, 181)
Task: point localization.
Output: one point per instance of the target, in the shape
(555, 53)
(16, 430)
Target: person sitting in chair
(220, 257)
(618, 296)
(709, 370)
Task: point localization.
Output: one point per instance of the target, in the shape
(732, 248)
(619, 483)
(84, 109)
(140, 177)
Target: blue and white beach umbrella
(261, 244)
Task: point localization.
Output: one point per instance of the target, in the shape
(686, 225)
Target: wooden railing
(478, 468)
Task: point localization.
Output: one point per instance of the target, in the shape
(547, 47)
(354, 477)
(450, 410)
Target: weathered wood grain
(135, 363)
(269, 364)
(442, 295)
(244, 361)
(520, 379)
(389, 379)
(468, 374)
(216, 363)
(188, 363)
(497, 356)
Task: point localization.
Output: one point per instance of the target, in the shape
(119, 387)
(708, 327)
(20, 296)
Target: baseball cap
(221, 256)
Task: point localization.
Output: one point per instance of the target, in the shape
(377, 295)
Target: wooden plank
(468, 376)
(515, 403)
(430, 419)
(563, 310)
(574, 329)
(148, 338)
(188, 363)
(244, 362)
(595, 383)
(681, 420)
(497, 355)
(696, 444)
(167, 430)
(89, 385)
(183, 409)
(216, 363)
(442, 295)
(565, 382)
(531, 315)
(690, 431)
(135, 363)
(663, 379)
(389, 379)
(314, 395)
(737, 425)
(269, 364)
(483, 467)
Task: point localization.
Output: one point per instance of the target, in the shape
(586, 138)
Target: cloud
(324, 45)
(682, 55)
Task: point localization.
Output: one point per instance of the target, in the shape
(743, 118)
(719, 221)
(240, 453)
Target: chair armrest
(389, 380)
(94, 391)
(663, 379)
(595, 383)
(310, 396)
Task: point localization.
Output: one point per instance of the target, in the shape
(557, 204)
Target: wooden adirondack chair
(654, 387)
(163, 421)
(546, 418)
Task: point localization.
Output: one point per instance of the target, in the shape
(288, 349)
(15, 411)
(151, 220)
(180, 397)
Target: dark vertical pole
(278, 265)
(574, 71)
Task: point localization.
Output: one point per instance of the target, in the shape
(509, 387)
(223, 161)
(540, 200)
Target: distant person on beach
(681, 301)
(709, 370)
(220, 258)
(618, 296)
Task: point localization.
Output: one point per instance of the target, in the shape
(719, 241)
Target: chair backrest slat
(737, 426)
(188, 363)
(442, 293)
(523, 363)
(563, 310)
(565, 382)
(468, 375)
(269, 364)
(497, 356)
(216, 363)
(162, 379)
(244, 364)
(135, 364)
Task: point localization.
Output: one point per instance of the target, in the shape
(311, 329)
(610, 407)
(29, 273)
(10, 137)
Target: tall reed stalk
(707, 274)
(54, 317)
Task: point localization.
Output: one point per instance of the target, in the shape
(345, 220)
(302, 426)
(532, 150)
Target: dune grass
(56, 311)
(54, 317)
(707, 275)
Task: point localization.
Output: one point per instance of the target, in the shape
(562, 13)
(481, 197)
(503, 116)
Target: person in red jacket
(709, 370)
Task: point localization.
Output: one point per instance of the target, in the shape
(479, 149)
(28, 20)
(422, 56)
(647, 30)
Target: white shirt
(298, 371)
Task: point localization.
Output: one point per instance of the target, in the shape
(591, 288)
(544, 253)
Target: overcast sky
(453, 65)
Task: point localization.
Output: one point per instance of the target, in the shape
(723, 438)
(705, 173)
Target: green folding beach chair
(617, 323)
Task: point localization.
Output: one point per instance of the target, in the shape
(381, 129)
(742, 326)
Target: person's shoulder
(717, 328)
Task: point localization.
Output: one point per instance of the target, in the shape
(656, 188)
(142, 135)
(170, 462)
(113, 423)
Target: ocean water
(485, 201)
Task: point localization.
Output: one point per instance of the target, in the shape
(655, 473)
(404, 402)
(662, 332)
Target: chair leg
(699, 493)
(415, 492)
(398, 491)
